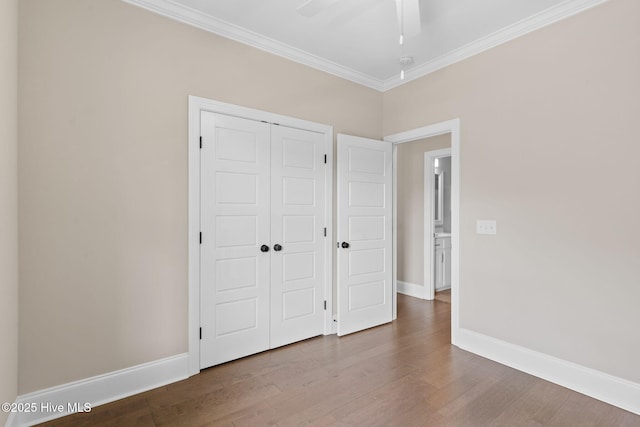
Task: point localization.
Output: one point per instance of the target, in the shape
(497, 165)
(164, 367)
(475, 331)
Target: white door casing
(297, 272)
(364, 184)
(235, 273)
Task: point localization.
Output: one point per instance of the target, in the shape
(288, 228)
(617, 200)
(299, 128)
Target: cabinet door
(446, 266)
(235, 223)
(439, 266)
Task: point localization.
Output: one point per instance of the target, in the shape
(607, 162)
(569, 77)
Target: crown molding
(178, 12)
(195, 18)
(520, 28)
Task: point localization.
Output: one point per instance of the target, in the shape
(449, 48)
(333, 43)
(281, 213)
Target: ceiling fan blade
(409, 17)
(312, 7)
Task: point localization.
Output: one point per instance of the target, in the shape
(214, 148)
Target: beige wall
(411, 206)
(8, 203)
(548, 129)
(103, 170)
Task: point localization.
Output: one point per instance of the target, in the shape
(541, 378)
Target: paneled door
(262, 250)
(297, 231)
(235, 249)
(365, 297)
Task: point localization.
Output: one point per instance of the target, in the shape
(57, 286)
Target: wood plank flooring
(444, 296)
(402, 374)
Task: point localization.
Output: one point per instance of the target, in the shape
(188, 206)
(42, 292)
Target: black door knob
(277, 247)
(264, 248)
(345, 245)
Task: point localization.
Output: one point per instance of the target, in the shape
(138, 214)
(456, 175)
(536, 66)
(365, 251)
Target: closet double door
(262, 250)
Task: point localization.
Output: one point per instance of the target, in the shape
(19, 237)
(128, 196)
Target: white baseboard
(59, 401)
(599, 385)
(411, 289)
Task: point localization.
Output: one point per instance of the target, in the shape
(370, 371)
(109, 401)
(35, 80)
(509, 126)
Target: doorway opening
(452, 129)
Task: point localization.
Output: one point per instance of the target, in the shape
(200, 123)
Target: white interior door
(262, 251)
(297, 233)
(235, 223)
(364, 185)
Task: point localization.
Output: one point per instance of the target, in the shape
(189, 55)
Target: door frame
(429, 205)
(452, 127)
(196, 106)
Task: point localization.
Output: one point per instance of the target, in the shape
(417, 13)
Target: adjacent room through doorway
(423, 241)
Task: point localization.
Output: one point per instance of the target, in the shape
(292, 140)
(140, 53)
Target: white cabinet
(442, 263)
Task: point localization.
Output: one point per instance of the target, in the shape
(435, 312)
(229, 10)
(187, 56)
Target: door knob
(264, 248)
(277, 247)
(345, 245)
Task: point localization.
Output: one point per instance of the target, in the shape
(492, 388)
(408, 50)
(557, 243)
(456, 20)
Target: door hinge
(200, 333)
(201, 237)
(325, 159)
(325, 305)
(200, 142)
(325, 232)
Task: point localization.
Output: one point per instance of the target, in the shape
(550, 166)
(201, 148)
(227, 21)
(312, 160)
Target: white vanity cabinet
(442, 262)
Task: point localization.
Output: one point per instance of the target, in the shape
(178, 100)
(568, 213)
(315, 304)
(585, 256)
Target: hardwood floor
(402, 374)
(443, 296)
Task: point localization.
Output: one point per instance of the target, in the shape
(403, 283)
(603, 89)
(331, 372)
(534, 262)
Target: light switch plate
(486, 226)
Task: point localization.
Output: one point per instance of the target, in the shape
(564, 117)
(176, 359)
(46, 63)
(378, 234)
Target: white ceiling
(358, 39)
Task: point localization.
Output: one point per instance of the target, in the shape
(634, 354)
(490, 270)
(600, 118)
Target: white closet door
(364, 233)
(297, 226)
(235, 224)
